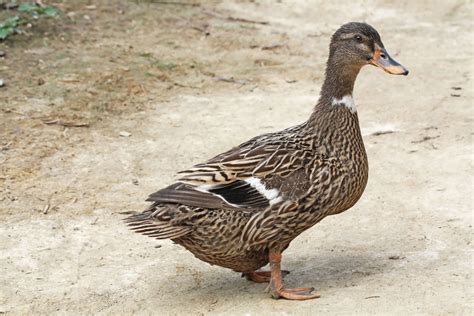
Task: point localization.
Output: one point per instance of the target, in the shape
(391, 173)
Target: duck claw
(299, 294)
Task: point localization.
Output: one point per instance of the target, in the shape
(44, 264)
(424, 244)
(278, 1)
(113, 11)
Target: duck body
(313, 170)
(242, 208)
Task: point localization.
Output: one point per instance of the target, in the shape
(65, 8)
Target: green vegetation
(160, 64)
(25, 13)
(164, 66)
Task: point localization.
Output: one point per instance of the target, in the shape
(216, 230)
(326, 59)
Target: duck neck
(338, 84)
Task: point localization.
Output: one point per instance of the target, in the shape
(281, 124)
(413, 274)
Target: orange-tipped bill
(383, 60)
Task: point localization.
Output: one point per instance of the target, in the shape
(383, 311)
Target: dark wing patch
(242, 194)
(235, 195)
(185, 194)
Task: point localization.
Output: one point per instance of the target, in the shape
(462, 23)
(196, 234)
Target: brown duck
(242, 208)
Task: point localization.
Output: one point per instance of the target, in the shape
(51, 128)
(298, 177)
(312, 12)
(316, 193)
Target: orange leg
(276, 284)
(261, 276)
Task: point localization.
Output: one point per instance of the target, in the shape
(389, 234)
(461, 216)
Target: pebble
(2, 53)
(125, 134)
(2, 83)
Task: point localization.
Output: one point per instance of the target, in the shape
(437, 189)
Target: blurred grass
(18, 17)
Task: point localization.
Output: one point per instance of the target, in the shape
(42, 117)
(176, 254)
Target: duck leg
(276, 284)
(262, 276)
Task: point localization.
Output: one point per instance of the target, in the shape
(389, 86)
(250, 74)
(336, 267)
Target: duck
(241, 209)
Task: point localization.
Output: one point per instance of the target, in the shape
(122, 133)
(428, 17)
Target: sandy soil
(182, 83)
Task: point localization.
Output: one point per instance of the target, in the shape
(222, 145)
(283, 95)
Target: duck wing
(249, 176)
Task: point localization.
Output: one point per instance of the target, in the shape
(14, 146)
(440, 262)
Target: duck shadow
(337, 270)
(331, 270)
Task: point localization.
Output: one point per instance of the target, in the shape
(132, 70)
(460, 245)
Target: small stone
(2, 54)
(41, 81)
(46, 209)
(125, 134)
(2, 83)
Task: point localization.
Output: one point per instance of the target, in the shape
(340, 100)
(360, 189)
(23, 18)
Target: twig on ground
(64, 123)
(382, 133)
(176, 3)
(274, 46)
(231, 18)
(202, 29)
(177, 84)
(424, 139)
(234, 19)
(232, 80)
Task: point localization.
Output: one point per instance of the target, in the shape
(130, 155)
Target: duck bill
(383, 60)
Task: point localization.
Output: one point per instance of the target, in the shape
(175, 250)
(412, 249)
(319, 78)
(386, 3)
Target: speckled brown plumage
(243, 207)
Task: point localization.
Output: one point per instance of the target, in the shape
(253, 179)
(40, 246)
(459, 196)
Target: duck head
(358, 44)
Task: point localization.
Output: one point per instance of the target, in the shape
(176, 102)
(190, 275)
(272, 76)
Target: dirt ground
(104, 105)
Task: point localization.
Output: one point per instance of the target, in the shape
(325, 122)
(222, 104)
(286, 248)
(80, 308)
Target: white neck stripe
(346, 101)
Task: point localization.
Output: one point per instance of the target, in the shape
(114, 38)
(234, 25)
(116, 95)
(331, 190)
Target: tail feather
(149, 223)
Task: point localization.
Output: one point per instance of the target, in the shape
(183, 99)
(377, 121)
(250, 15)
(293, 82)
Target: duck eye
(358, 38)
